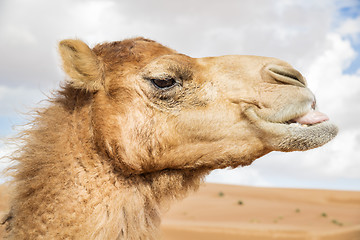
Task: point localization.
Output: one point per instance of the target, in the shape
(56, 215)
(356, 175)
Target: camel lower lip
(301, 138)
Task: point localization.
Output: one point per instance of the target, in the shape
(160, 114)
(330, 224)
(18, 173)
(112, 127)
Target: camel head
(154, 109)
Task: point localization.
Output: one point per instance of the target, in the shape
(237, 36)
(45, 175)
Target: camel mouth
(310, 118)
(305, 131)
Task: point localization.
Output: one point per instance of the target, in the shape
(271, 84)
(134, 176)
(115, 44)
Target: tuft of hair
(82, 65)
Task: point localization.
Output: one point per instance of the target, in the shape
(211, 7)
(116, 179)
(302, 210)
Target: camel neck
(65, 188)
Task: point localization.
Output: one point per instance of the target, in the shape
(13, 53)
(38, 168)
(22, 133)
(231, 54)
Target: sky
(319, 38)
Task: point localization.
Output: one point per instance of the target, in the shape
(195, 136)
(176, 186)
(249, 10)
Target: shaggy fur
(115, 146)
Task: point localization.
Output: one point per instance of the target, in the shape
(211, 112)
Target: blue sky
(319, 38)
(352, 12)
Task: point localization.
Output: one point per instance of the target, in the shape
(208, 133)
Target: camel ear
(81, 64)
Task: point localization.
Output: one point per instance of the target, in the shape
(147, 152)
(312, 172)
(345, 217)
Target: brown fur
(111, 150)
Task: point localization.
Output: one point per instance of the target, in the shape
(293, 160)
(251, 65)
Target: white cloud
(19, 99)
(343, 158)
(350, 27)
(329, 65)
(238, 176)
(5, 150)
(326, 78)
(13, 35)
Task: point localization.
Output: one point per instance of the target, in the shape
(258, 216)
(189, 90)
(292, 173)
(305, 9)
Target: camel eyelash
(164, 82)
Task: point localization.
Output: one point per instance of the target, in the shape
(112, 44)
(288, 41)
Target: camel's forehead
(136, 50)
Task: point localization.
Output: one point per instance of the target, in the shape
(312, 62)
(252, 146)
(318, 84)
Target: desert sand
(219, 212)
(4, 203)
(225, 212)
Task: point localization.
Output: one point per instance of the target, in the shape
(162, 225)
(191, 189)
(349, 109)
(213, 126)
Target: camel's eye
(164, 83)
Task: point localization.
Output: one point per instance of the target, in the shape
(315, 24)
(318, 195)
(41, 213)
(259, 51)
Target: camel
(137, 125)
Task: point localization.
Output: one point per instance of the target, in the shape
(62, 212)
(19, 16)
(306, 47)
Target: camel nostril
(286, 75)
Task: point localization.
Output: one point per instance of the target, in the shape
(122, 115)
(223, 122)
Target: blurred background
(319, 38)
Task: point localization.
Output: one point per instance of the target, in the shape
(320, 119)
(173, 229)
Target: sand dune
(224, 212)
(237, 212)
